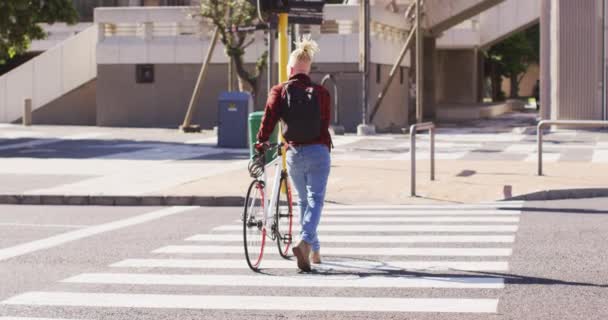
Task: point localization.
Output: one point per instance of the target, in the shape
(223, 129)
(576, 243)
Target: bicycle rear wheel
(284, 218)
(254, 231)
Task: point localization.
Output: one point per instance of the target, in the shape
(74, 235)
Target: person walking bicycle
(303, 108)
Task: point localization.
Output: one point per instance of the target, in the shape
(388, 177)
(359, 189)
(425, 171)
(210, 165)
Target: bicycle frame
(270, 202)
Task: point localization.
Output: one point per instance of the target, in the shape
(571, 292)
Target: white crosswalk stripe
(365, 247)
(237, 237)
(31, 318)
(423, 213)
(280, 303)
(399, 228)
(327, 265)
(328, 281)
(357, 251)
(414, 219)
(421, 219)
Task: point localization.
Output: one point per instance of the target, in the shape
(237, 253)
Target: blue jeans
(308, 166)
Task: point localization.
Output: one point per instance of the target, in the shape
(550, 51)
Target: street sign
(235, 29)
(300, 11)
(306, 11)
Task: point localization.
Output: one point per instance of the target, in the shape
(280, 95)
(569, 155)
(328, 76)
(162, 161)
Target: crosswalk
(386, 259)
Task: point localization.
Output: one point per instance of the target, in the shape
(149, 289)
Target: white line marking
(86, 136)
(328, 264)
(547, 157)
(399, 228)
(281, 303)
(369, 239)
(423, 213)
(57, 240)
(600, 156)
(299, 281)
(68, 226)
(29, 144)
(356, 251)
(31, 318)
(42, 141)
(206, 140)
(490, 205)
(416, 219)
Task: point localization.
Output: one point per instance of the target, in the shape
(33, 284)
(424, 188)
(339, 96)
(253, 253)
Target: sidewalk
(387, 182)
(476, 162)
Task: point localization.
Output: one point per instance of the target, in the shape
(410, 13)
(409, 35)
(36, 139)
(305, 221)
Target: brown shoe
(315, 257)
(302, 251)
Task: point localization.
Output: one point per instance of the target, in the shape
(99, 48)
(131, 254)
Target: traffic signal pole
(283, 58)
(283, 47)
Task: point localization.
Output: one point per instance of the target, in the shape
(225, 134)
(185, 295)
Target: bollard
(413, 130)
(27, 112)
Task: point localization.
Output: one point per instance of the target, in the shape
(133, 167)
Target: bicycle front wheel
(254, 231)
(284, 218)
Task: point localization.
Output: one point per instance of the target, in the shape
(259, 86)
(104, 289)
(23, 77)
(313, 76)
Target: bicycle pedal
(284, 215)
(287, 238)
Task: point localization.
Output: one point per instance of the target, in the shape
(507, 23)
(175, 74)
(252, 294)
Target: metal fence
(413, 131)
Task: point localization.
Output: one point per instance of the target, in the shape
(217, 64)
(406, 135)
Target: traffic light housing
(272, 6)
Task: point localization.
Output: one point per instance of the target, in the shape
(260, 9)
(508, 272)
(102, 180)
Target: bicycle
(259, 220)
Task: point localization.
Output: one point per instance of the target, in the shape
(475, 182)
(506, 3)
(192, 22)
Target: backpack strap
(284, 90)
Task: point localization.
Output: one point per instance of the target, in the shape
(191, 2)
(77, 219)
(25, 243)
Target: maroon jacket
(274, 103)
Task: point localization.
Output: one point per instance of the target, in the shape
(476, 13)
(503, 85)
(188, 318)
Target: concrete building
(90, 78)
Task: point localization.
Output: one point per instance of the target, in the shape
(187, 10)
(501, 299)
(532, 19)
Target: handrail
(413, 130)
(578, 123)
(326, 78)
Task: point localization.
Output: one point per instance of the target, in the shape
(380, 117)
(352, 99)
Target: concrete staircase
(51, 75)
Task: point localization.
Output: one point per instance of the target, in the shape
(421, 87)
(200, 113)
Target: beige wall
(122, 102)
(76, 107)
(456, 78)
(526, 86)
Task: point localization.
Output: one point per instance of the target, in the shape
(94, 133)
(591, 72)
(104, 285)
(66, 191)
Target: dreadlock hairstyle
(306, 48)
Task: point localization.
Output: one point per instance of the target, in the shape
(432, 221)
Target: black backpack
(301, 114)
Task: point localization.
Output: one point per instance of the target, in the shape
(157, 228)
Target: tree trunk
(496, 81)
(514, 86)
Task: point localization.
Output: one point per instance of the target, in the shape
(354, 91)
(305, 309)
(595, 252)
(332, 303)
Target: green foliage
(19, 22)
(226, 14)
(511, 57)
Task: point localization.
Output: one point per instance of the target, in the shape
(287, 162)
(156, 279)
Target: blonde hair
(306, 48)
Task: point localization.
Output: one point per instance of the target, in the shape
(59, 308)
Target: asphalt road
(547, 262)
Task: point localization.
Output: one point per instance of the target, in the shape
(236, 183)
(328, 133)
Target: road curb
(97, 200)
(562, 194)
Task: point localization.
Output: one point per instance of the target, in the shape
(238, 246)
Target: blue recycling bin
(233, 111)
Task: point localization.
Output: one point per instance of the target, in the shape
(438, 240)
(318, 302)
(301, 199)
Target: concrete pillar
(481, 73)
(457, 77)
(545, 60)
(574, 49)
(605, 58)
(429, 75)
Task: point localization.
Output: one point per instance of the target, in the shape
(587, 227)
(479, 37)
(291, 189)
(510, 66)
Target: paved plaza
(479, 159)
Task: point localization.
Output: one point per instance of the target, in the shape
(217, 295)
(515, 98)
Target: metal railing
(577, 123)
(413, 131)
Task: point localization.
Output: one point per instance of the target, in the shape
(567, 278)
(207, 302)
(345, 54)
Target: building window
(378, 73)
(144, 73)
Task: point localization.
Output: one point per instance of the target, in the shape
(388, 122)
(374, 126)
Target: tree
(511, 58)
(19, 21)
(226, 14)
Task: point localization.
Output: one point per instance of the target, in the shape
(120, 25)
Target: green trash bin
(255, 120)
